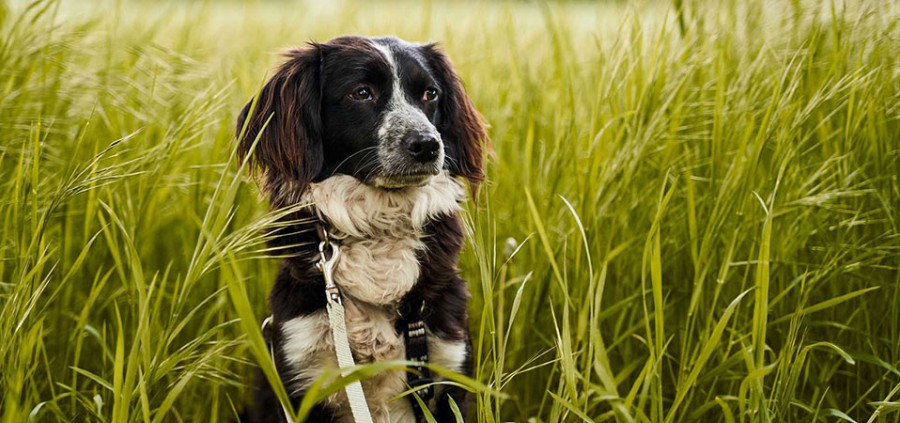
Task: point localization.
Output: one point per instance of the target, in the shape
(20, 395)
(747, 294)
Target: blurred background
(691, 214)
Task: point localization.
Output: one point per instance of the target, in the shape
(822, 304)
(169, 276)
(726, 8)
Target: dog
(379, 137)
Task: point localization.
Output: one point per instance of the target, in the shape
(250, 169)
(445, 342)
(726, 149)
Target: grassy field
(690, 216)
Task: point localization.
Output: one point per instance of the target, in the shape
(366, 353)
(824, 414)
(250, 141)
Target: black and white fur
(377, 135)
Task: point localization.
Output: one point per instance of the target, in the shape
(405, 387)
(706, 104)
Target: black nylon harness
(419, 377)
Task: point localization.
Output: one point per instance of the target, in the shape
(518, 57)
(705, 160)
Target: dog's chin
(401, 181)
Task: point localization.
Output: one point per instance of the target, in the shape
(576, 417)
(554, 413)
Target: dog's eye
(362, 94)
(430, 95)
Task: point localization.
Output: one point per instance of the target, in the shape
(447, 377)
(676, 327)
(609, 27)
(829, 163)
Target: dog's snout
(423, 148)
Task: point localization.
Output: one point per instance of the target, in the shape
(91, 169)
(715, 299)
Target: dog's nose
(423, 148)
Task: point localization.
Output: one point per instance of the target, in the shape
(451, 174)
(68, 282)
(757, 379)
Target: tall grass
(692, 214)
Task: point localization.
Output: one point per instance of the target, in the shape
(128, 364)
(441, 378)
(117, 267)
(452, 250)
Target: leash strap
(357, 399)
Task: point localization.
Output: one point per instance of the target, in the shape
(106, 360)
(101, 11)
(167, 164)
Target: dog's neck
(380, 231)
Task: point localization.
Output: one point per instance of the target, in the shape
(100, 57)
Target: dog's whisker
(363, 151)
(374, 164)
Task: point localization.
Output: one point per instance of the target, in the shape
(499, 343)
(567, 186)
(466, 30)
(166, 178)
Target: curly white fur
(380, 231)
(380, 236)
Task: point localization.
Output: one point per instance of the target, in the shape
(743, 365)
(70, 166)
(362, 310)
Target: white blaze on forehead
(401, 116)
(398, 101)
(388, 55)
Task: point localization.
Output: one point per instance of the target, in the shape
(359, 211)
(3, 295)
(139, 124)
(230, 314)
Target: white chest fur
(380, 237)
(380, 231)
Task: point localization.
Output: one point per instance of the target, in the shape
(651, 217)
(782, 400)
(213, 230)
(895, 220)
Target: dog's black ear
(286, 118)
(461, 126)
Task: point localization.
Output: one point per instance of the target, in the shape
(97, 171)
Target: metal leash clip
(326, 266)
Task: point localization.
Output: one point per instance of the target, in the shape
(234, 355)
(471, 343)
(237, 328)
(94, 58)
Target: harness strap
(417, 350)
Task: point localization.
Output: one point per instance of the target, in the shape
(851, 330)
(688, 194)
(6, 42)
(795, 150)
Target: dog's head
(388, 112)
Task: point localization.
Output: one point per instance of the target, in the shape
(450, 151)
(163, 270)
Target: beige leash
(358, 405)
(355, 395)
